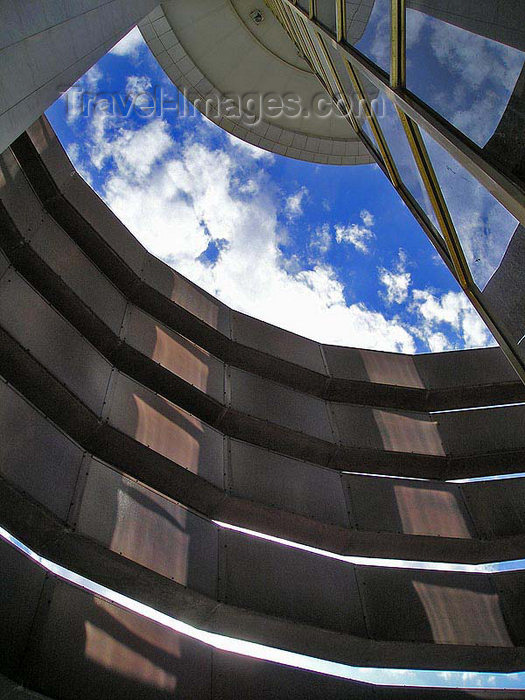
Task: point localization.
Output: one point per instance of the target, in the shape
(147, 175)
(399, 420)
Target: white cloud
(396, 281)
(137, 84)
(249, 149)
(438, 342)
(294, 203)
(483, 225)
(75, 98)
(356, 234)
(181, 198)
(481, 74)
(178, 198)
(321, 240)
(130, 44)
(451, 309)
(367, 218)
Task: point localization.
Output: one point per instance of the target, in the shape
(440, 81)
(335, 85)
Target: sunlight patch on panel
(378, 676)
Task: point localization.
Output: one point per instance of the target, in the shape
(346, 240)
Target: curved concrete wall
(141, 413)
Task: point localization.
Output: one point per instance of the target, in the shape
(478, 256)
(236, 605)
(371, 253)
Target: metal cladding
(45, 48)
(233, 477)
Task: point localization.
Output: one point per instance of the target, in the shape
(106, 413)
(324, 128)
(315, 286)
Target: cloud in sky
(137, 84)
(247, 149)
(358, 235)
(212, 207)
(294, 202)
(129, 45)
(452, 310)
(396, 281)
(178, 198)
(321, 240)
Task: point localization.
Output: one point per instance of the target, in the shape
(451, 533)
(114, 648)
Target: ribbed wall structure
(139, 414)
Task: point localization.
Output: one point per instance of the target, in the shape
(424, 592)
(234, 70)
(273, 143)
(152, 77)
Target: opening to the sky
(328, 252)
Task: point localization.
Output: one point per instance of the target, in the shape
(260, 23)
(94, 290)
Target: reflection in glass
(395, 137)
(368, 29)
(346, 83)
(483, 225)
(326, 13)
(467, 78)
(304, 4)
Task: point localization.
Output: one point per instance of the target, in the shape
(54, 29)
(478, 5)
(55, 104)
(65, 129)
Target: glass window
(467, 78)
(368, 29)
(304, 4)
(397, 141)
(326, 13)
(348, 87)
(483, 225)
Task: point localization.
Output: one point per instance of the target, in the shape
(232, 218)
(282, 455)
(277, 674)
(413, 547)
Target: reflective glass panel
(344, 78)
(368, 29)
(469, 79)
(483, 225)
(326, 13)
(396, 139)
(304, 4)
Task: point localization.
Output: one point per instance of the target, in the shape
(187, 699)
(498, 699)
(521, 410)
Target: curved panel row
(248, 406)
(425, 382)
(252, 473)
(152, 416)
(440, 610)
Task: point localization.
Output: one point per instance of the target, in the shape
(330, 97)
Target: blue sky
(328, 252)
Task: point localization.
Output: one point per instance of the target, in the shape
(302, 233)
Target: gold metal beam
(428, 175)
(414, 113)
(462, 149)
(312, 12)
(374, 125)
(338, 84)
(398, 44)
(340, 19)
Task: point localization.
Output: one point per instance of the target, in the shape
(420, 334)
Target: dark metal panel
(278, 580)
(16, 194)
(65, 258)
(181, 291)
(105, 223)
(407, 693)
(372, 366)
(384, 429)
(440, 370)
(182, 357)
(429, 606)
(20, 590)
(408, 507)
(167, 429)
(238, 677)
(277, 342)
(511, 589)
(278, 404)
(488, 430)
(138, 523)
(36, 456)
(4, 264)
(88, 648)
(50, 150)
(9, 690)
(296, 486)
(497, 507)
(52, 341)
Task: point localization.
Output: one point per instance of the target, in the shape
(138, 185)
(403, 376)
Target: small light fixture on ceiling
(257, 16)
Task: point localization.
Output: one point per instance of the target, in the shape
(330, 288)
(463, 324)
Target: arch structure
(197, 504)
